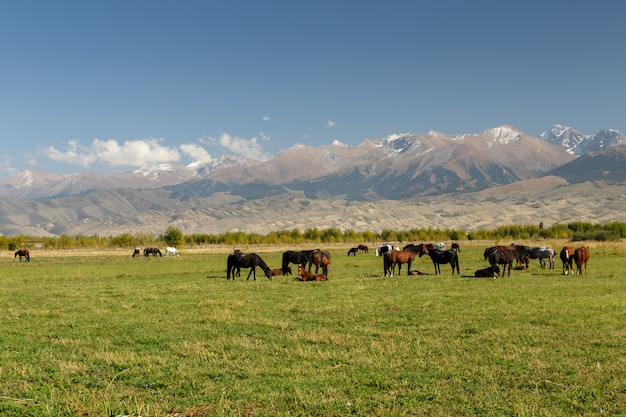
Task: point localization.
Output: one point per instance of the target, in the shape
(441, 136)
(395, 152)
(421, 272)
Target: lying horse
(353, 251)
(363, 248)
(442, 257)
(23, 253)
(295, 257)
(581, 256)
(321, 259)
(489, 272)
(136, 252)
(567, 257)
(308, 276)
(237, 260)
(152, 251)
(171, 251)
(279, 271)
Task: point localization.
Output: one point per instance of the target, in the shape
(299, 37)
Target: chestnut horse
(308, 276)
(581, 256)
(398, 257)
(23, 253)
(567, 257)
(321, 259)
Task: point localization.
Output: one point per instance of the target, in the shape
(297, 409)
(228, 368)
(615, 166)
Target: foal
(309, 276)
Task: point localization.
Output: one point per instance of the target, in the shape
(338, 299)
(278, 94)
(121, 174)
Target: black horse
(296, 257)
(136, 252)
(23, 253)
(442, 257)
(154, 251)
(237, 260)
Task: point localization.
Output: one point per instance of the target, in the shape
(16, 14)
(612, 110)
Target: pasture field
(108, 335)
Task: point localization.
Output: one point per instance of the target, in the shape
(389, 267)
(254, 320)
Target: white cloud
(249, 148)
(195, 152)
(329, 124)
(136, 153)
(266, 118)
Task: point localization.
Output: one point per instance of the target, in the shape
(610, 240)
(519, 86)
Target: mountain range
(334, 185)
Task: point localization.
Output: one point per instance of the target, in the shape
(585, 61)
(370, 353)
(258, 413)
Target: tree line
(575, 231)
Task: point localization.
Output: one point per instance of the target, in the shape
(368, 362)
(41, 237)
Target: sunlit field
(104, 334)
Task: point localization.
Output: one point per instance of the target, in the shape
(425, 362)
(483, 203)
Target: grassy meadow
(103, 334)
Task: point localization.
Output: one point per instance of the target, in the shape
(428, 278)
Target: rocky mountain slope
(499, 176)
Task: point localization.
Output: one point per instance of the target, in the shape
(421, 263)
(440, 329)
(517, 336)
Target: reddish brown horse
(567, 257)
(309, 276)
(581, 256)
(23, 253)
(321, 259)
(363, 248)
(398, 257)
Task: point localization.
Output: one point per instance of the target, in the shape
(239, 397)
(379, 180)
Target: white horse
(382, 249)
(171, 251)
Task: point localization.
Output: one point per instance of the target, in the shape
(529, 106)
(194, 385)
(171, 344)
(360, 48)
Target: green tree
(173, 236)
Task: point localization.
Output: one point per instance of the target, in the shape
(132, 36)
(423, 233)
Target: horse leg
(250, 273)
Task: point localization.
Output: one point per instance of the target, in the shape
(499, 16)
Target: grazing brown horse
(363, 248)
(505, 255)
(154, 251)
(136, 252)
(23, 253)
(321, 259)
(353, 251)
(581, 256)
(567, 257)
(308, 276)
(442, 257)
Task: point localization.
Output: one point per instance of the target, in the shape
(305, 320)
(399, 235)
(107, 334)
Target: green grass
(112, 335)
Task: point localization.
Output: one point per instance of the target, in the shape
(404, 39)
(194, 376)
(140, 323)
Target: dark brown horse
(136, 252)
(442, 257)
(238, 260)
(363, 248)
(505, 255)
(154, 251)
(321, 259)
(398, 257)
(353, 251)
(23, 253)
(455, 247)
(581, 256)
(567, 257)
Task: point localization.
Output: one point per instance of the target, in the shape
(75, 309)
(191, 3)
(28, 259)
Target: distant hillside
(607, 165)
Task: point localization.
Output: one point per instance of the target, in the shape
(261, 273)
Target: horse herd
(394, 256)
(154, 251)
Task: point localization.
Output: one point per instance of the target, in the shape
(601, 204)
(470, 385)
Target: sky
(117, 85)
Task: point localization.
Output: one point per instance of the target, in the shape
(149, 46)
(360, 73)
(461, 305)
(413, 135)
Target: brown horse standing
(581, 256)
(321, 259)
(23, 253)
(567, 257)
(398, 257)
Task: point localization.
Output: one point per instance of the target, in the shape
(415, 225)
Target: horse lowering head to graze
(279, 271)
(567, 257)
(581, 256)
(136, 252)
(154, 251)
(295, 257)
(23, 253)
(171, 251)
(308, 276)
(455, 247)
(399, 257)
(353, 251)
(489, 272)
(238, 259)
(523, 254)
(442, 257)
(363, 248)
(321, 259)
(542, 253)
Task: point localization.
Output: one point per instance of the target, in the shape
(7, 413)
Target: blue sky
(115, 85)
